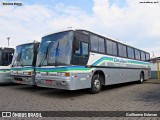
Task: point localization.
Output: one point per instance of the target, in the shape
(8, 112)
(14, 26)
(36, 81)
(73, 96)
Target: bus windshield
(0, 57)
(24, 55)
(6, 55)
(55, 49)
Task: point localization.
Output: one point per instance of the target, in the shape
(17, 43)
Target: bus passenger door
(80, 49)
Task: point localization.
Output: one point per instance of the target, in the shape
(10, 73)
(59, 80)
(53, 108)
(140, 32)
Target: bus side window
(83, 50)
(10, 56)
(147, 56)
(143, 56)
(1, 58)
(137, 54)
(130, 52)
(5, 59)
(97, 44)
(111, 47)
(114, 48)
(94, 43)
(122, 50)
(101, 45)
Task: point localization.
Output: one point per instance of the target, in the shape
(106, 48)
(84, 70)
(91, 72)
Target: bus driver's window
(83, 50)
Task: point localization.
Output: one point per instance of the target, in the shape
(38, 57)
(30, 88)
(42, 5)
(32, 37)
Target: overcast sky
(129, 21)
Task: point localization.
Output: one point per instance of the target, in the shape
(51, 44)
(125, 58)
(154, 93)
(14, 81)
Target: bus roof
(98, 34)
(112, 39)
(58, 31)
(34, 41)
(76, 29)
(6, 47)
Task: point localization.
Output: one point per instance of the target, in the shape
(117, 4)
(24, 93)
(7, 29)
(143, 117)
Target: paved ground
(124, 97)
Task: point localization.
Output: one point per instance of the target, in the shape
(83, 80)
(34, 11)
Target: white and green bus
(23, 63)
(79, 59)
(6, 55)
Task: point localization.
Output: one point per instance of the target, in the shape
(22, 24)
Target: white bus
(79, 59)
(23, 63)
(6, 55)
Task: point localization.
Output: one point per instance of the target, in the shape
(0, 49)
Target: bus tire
(96, 84)
(141, 78)
(35, 86)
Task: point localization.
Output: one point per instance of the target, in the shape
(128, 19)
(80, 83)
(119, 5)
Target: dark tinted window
(101, 45)
(83, 50)
(94, 43)
(143, 56)
(0, 54)
(97, 44)
(122, 50)
(147, 56)
(114, 48)
(7, 58)
(137, 54)
(111, 47)
(130, 52)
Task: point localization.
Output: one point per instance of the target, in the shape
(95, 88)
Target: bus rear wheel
(141, 78)
(96, 84)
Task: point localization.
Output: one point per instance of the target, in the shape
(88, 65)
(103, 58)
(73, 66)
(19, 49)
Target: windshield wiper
(56, 54)
(18, 59)
(44, 56)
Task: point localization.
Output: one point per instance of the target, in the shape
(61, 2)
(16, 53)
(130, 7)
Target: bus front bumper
(54, 82)
(5, 78)
(27, 80)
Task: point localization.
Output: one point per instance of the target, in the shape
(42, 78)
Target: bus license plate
(49, 81)
(17, 81)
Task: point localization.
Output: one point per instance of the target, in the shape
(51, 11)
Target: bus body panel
(83, 80)
(81, 76)
(56, 82)
(121, 76)
(77, 79)
(119, 70)
(23, 63)
(116, 69)
(5, 74)
(6, 55)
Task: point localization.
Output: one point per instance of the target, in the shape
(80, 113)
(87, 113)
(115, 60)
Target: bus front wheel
(96, 84)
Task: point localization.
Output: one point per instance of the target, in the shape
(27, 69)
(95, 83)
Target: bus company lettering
(14, 114)
(11, 3)
(120, 60)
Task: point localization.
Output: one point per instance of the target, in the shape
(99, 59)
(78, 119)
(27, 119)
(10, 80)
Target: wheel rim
(97, 84)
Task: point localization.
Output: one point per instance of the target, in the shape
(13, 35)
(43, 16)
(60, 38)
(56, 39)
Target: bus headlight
(27, 73)
(66, 74)
(11, 73)
(38, 73)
